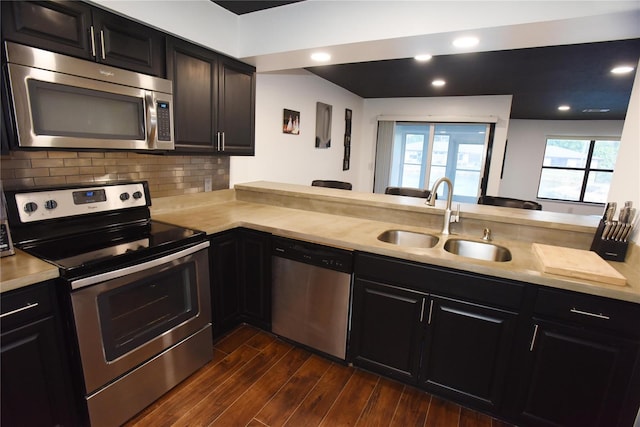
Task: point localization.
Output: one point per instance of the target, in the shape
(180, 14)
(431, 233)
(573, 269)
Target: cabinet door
(127, 44)
(575, 377)
(33, 377)
(225, 292)
(466, 352)
(255, 276)
(193, 71)
(236, 102)
(58, 26)
(387, 329)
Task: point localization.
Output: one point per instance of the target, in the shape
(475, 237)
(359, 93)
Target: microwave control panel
(164, 121)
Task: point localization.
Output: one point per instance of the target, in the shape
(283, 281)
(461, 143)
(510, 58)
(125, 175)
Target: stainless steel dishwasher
(310, 294)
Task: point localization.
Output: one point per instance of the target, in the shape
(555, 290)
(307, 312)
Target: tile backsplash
(168, 175)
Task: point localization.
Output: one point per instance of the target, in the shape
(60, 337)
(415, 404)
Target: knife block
(611, 250)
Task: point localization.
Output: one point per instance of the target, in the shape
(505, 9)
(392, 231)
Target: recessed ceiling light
(438, 82)
(320, 56)
(596, 110)
(466, 42)
(623, 69)
(564, 108)
(422, 57)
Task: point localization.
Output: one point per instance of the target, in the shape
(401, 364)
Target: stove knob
(50, 204)
(137, 195)
(124, 196)
(30, 207)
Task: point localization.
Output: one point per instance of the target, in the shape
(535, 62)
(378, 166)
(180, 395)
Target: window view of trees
(578, 170)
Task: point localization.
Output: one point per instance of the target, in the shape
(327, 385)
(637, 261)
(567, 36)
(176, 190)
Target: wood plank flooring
(258, 380)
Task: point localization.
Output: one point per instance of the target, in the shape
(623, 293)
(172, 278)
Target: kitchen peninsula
(514, 326)
(353, 220)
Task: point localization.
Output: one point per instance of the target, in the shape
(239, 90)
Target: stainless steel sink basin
(477, 250)
(408, 238)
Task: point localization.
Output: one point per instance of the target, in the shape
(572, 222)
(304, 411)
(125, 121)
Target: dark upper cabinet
(36, 388)
(387, 328)
(78, 29)
(214, 98)
(467, 350)
(236, 107)
(240, 265)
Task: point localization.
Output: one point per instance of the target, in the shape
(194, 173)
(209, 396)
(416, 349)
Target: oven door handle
(88, 281)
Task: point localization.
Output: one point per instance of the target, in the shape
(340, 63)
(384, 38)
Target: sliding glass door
(424, 152)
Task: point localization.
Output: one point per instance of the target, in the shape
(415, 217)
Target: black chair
(331, 184)
(407, 191)
(508, 202)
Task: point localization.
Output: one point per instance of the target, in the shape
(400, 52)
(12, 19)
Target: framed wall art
(291, 122)
(323, 125)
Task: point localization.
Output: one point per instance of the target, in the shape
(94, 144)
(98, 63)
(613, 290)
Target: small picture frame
(323, 125)
(291, 122)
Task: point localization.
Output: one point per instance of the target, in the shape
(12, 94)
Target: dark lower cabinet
(387, 329)
(35, 378)
(466, 351)
(575, 377)
(579, 363)
(455, 348)
(240, 268)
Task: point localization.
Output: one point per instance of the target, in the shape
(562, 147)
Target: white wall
(426, 109)
(625, 184)
(294, 159)
(525, 153)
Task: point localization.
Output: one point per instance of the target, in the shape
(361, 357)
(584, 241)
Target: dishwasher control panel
(314, 254)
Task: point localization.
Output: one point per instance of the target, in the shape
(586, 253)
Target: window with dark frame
(578, 169)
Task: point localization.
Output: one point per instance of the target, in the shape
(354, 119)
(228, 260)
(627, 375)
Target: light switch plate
(207, 183)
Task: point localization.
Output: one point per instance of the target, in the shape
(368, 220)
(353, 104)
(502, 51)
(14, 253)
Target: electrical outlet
(208, 183)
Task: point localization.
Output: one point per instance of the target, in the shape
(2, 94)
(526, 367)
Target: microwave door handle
(152, 119)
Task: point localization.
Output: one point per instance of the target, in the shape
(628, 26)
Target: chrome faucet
(449, 216)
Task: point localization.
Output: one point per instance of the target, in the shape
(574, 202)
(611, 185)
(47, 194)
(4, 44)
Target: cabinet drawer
(425, 278)
(589, 310)
(24, 305)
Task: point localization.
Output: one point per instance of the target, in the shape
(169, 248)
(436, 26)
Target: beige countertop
(342, 225)
(220, 211)
(21, 269)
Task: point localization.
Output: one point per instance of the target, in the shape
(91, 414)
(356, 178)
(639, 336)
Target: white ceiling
(364, 30)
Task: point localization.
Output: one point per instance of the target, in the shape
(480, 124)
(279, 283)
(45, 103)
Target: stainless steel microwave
(64, 102)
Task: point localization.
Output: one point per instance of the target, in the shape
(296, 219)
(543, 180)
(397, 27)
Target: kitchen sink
(477, 250)
(408, 238)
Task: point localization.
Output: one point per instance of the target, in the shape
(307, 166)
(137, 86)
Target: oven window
(60, 110)
(138, 312)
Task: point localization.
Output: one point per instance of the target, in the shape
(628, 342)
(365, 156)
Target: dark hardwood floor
(258, 380)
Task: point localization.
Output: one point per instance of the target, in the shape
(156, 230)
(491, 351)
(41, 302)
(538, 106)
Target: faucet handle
(455, 216)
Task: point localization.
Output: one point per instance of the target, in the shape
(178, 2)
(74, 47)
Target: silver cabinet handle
(430, 311)
(533, 338)
(218, 136)
(222, 141)
(422, 311)
(586, 313)
(93, 42)
(104, 55)
(18, 310)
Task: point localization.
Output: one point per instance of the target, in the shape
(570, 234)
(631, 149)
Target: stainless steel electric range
(135, 291)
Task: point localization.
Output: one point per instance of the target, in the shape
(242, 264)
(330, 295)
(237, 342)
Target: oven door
(128, 316)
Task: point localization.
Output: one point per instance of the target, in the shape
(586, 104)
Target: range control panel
(49, 204)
